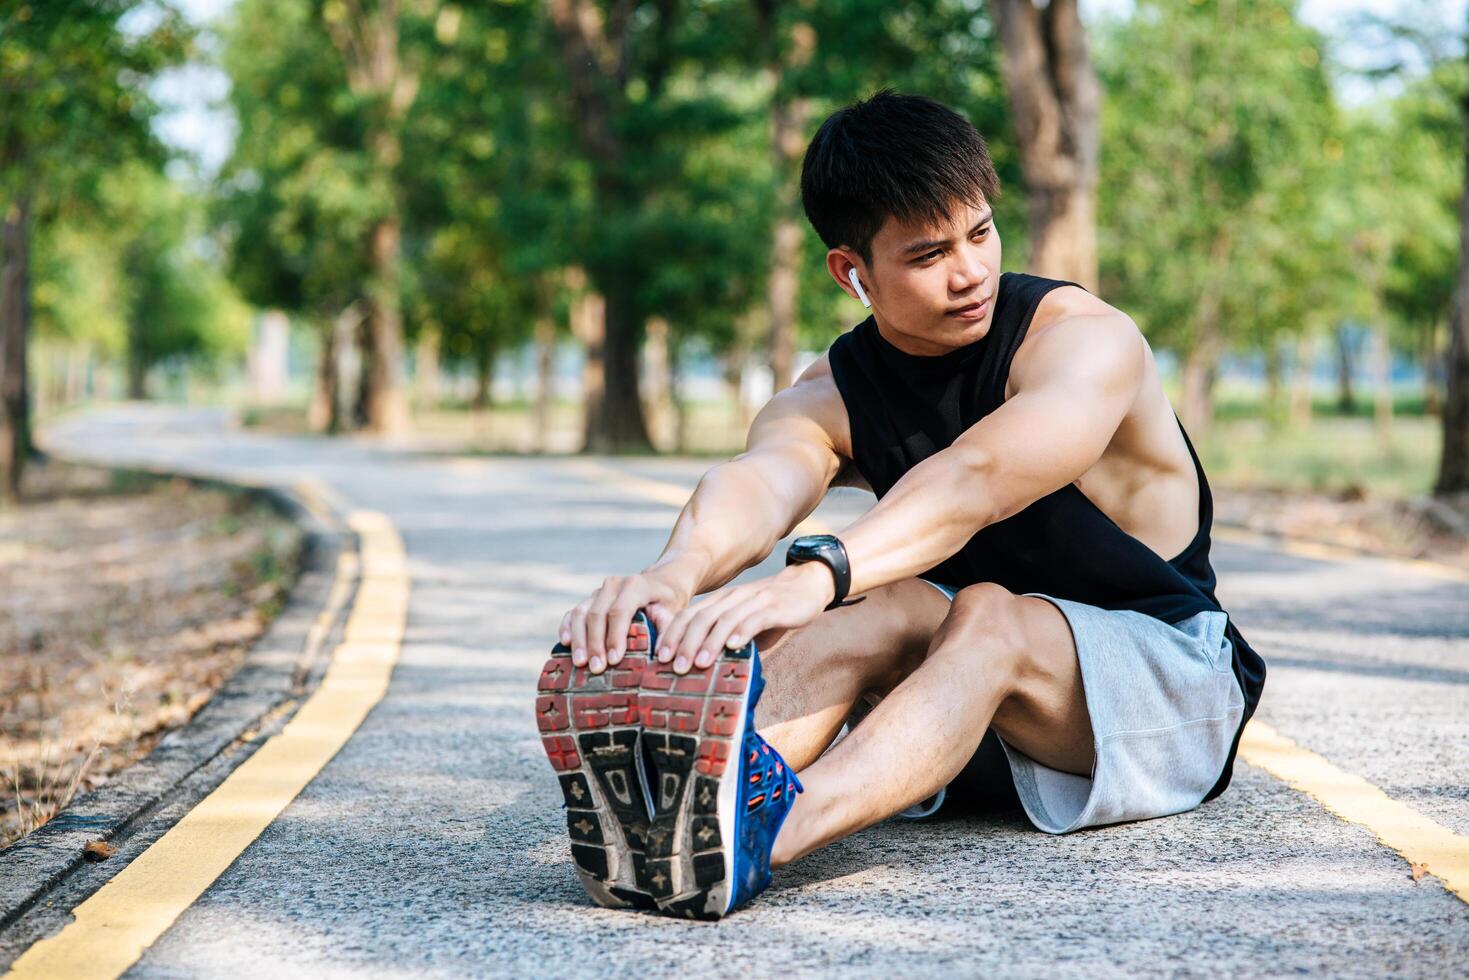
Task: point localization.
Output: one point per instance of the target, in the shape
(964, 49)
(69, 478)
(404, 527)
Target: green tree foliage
(135, 277)
(489, 199)
(1422, 135)
(1220, 139)
(295, 199)
(73, 102)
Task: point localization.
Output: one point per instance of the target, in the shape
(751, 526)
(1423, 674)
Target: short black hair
(904, 156)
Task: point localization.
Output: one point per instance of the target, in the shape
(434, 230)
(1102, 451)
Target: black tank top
(904, 407)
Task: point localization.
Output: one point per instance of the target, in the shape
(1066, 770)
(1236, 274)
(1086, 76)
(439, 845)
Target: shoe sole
(589, 726)
(693, 727)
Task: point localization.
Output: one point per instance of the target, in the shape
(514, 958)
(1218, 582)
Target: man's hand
(730, 617)
(596, 628)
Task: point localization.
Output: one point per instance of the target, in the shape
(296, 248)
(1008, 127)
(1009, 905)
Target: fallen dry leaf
(1419, 870)
(98, 850)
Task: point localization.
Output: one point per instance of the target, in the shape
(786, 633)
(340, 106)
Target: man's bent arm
(1071, 395)
(743, 507)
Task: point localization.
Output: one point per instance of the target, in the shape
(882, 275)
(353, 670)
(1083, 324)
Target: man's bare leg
(816, 673)
(996, 659)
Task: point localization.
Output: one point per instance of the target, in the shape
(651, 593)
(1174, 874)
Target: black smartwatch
(829, 550)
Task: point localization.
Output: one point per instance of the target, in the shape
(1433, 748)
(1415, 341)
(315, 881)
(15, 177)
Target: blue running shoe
(720, 792)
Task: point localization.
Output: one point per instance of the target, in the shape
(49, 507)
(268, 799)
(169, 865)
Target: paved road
(433, 844)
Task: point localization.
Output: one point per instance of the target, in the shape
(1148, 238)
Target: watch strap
(841, 574)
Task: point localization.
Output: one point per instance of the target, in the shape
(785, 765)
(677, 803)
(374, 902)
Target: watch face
(813, 544)
(808, 547)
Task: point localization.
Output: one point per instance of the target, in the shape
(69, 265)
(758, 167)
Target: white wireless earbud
(857, 285)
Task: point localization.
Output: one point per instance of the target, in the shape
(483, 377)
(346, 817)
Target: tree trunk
(484, 375)
(15, 327)
(783, 294)
(1453, 470)
(365, 357)
(1055, 101)
(1274, 410)
(1382, 407)
(40, 380)
(788, 117)
(325, 414)
(1199, 372)
(386, 409)
(1429, 355)
(589, 327)
(137, 355)
(77, 363)
(1346, 400)
(656, 378)
(1201, 365)
(1301, 378)
(102, 383)
(619, 425)
(594, 50)
(545, 380)
(366, 36)
(137, 379)
(1063, 234)
(426, 369)
(734, 382)
(676, 395)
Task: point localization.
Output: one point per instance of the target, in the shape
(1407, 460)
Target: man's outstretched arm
(738, 512)
(1072, 390)
(1071, 394)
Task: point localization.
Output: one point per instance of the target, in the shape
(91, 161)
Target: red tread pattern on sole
(561, 750)
(551, 713)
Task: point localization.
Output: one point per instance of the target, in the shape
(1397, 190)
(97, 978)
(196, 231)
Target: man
(1036, 567)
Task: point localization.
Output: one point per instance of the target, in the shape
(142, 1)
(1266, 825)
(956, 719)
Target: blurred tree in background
(73, 102)
(295, 201)
(1057, 100)
(1453, 473)
(1220, 140)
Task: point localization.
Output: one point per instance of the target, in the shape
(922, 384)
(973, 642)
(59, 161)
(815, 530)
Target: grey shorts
(1164, 705)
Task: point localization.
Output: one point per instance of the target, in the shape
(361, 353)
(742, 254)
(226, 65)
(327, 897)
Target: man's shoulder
(1073, 330)
(812, 396)
(812, 405)
(1060, 298)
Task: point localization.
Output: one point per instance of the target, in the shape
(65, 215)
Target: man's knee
(986, 623)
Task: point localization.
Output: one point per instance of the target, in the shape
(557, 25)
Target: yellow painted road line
(1426, 844)
(112, 929)
(1422, 842)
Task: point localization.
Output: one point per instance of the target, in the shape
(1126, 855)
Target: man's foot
(589, 726)
(720, 792)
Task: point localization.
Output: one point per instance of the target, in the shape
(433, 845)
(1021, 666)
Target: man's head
(900, 187)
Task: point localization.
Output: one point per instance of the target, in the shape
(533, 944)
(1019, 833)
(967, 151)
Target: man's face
(922, 277)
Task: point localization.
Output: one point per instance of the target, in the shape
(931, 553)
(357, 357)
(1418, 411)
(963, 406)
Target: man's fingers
(668, 635)
(696, 637)
(563, 633)
(735, 625)
(661, 616)
(631, 598)
(579, 634)
(597, 625)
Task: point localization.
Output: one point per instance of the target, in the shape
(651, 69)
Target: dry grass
(124, 604)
